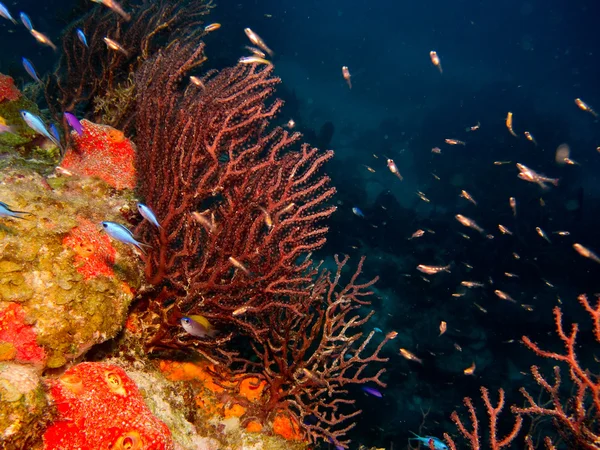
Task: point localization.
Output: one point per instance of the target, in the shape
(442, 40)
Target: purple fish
(74, 123)
(372, 391)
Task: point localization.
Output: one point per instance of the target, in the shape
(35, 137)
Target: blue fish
(30, 69)
(26, 21)
(377, 330)
(36, 124)
(4, 13)
(81, 36)
(55, 132)
(74, 123)
(5, 211)
(438, 444)
(372, 391)
(148, 214)
(358, 212)
(122, 234)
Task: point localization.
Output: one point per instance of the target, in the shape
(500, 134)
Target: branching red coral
(311, 356)
(91, 73)
(576, 418)
(493, 412)
(238, 206)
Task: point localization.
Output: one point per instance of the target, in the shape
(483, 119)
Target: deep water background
(529, 57)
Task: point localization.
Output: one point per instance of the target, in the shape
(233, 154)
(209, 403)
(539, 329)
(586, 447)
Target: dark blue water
(532, 58)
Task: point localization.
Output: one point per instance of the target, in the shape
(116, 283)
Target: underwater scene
(285, 224)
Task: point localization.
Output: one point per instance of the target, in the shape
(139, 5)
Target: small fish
(513, 205)
(238, 265)
(530, 137)
(429, 442)
(454, 142)
(291, 124)
(474, 127)
(543, 234)
(423, 197)
(435, 60)
(73, 122)
(443, 327)
(471, 284)
(240, 311)
(26, 21)
(346, 75)
(254, 60)
(416, 234)
(197, 81)
(54, 132)
(504, 230)
(410, 356)
(148, 214)
(470, 370)
(510, 275)
(527, 174)
(209, 224)
(36, 124)
(112, 4)
(501, 163)
(504, 296)
(469, 223)
(255, 51)
(42, 39)
(436, 150)
(358, 212)
(6, 211)
(392, 166)
(4, 13)
(580, 104)
(586, 252)
(377, 330)
(256, 40)
(28, 65)
(197, 325)
(509, 124)
(372, 391)
(113, 45)
(81, 36)
(212, 27)
(122, 234)
(432, 270)
(464, 194)
(562, 233)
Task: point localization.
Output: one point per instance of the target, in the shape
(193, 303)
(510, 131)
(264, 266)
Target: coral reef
(98, 403)
(18, 340)
(86, 74)
(8, 90)
(103, 152)
(24, 411)
(54, 266)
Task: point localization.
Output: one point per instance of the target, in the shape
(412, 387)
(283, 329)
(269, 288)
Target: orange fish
(470, 370)
(509, 124)
(443, 327)
(346, 75)
(584, 107)
(454, 142)
(411, 357)
(435, 59)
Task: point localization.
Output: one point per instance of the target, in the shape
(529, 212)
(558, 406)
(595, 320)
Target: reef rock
(99, 406)
(64, 284)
